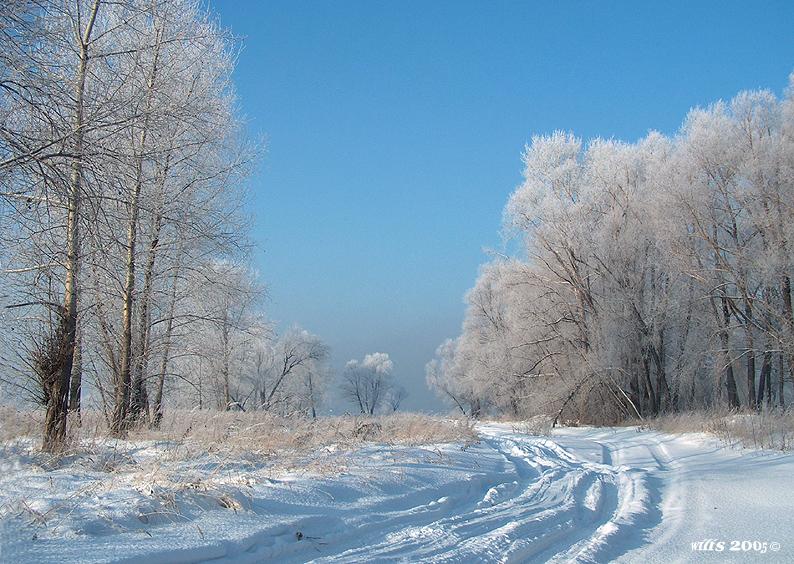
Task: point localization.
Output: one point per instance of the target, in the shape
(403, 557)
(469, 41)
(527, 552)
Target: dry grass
(772, 429)
(255, 433)
(16, 424)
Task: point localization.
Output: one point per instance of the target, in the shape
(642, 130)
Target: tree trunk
(311, 396)
(121, 421)
(56, 388)
(123, 382)
(769, 384)
(787, 307)
(75, 388)
(634, 387)
(751, 399)
(652, 398)
(57, 407)
(730, 380)
(663, 395)
(765, 378)
(157, 416)
(140, 398)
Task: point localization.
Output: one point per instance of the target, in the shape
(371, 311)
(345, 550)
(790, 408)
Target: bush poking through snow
(540, 425)
(368, 430)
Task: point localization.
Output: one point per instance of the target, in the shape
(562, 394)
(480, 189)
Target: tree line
(654, 277)
(124, 249)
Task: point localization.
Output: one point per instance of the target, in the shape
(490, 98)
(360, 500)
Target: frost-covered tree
(656, 275)
(120, 168)
(292, 373)
(368, 383)
(445, 375)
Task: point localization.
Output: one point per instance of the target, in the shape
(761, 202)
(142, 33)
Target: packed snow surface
(581, 495)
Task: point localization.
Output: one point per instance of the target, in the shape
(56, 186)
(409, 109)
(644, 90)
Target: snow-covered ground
(587, 495)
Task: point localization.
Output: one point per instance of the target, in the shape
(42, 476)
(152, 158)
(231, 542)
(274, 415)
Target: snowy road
(583, 495)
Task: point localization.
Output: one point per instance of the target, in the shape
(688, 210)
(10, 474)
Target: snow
(582, 495)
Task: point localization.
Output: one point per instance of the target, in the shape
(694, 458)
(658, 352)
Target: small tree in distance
(368, 383)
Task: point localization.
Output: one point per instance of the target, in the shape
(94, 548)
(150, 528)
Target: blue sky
(394, 132)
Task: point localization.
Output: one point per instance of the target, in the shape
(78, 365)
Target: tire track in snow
(644, 490)
(583, 495)
(556, 507)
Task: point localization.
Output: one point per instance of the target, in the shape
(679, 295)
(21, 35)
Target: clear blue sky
(394, 132)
